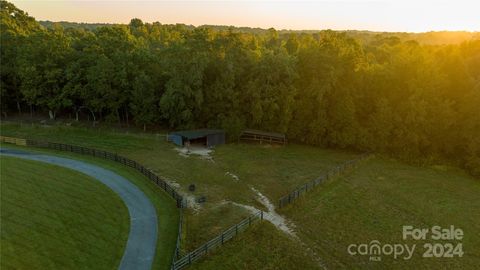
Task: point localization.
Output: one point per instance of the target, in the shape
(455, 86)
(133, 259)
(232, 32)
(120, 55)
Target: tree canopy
(336, 89)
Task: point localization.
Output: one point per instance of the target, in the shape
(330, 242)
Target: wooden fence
(105, 155)
(12, 140)
(178, 251)
(292, 196)
(179, 261)
(117, 158)
(228, 234)
(263, 137)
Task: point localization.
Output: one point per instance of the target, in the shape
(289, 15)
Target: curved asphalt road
(141, 244)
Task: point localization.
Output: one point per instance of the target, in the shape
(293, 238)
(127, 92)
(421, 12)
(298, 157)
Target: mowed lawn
(165, 206)
(372, 202)
(272, 170)
(375, 201)
(56, 218)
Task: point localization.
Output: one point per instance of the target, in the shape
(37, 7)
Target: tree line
(323, 88)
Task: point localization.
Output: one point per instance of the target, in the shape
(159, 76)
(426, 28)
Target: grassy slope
(272, 170)
(262, 247)
(56, 218)
(167, 212)
(376, 200)
(372, 202)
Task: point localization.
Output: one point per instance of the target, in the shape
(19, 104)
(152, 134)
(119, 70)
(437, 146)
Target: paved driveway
(140, 249)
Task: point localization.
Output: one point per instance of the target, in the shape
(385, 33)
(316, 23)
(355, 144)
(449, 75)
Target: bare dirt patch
(272, 216)
(234, 177)
(190, 198)
(202, 152)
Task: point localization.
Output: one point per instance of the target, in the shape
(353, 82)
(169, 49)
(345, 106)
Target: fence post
(106, 155)
(249, 221)
(222, 237)
(236, 229)
(261, 214)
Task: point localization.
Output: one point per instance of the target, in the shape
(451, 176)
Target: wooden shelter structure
(206, 137)
(263, 137)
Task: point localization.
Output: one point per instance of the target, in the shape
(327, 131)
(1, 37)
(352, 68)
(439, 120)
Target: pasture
(271, 170)
(371, 202)
(375, 201)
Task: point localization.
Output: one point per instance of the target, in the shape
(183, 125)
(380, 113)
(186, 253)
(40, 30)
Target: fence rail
(228, 234)
(117, 158)
(101, 154)
(292, 196)
(177, 254)
(179, 261)
(12, 140)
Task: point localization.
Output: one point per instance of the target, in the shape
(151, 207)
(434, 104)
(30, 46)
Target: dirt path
(276, 219)
(142, 239)
(281, 223)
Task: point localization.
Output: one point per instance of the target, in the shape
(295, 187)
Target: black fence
(180, 260)
(117, 158)
(114, 157)
(292, 196)
(178, 252)
(228, 234)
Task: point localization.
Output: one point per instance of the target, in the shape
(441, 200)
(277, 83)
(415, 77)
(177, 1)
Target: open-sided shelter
(263, 136)
(206, 137)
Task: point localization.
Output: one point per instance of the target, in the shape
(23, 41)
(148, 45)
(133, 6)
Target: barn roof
(197, 133)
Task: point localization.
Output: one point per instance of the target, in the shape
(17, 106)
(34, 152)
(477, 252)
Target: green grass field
(261, 247)
(371, 202)
(374, 201)
(56, 218)
(167, 212)
(274, 171)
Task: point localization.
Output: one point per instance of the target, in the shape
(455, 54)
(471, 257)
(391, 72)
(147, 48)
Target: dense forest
(438, 38)
(382, 93)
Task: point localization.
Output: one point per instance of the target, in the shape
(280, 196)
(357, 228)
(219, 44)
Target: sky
(374, 15)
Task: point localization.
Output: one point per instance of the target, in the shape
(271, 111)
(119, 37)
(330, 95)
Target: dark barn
(205, 137)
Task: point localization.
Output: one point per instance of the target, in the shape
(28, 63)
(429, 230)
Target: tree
(392, 93)
(183, 95)
(143, 101)
(269, 94)
(42, 61)
(16, 25)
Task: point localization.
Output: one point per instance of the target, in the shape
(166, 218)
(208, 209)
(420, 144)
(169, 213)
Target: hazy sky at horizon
(375, 15)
